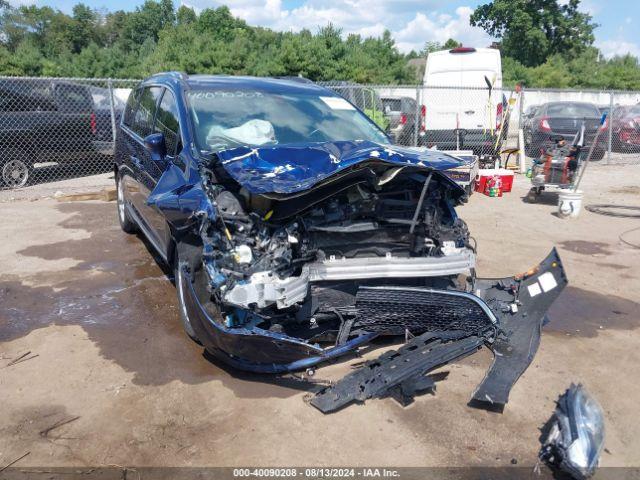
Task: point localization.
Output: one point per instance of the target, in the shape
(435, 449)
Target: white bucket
(569, 203)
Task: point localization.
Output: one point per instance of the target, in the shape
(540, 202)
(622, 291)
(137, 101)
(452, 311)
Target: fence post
(417, 120)
(610, 124)
(113, 113)
(522, 157)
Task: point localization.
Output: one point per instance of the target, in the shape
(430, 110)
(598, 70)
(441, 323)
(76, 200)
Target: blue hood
(296, 167)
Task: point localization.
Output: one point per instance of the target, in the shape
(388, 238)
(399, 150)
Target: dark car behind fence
(58, 128)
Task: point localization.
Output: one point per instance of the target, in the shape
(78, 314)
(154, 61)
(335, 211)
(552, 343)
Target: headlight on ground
(575, 435)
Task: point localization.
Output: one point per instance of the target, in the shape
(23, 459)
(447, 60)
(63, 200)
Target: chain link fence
(57, 128)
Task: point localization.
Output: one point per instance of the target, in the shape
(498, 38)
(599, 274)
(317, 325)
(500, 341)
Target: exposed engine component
(399, 224)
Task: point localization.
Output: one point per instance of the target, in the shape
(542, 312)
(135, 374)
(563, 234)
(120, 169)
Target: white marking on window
(337, 103)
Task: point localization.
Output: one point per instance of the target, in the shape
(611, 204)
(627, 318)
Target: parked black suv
(43, 121)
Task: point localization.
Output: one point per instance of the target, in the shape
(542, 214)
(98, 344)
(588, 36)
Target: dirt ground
(98, 317)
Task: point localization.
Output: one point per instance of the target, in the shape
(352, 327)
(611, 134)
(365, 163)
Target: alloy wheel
(15, 173)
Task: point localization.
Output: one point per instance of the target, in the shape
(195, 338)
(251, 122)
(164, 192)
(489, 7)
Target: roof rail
(180, 75)
(294, 78)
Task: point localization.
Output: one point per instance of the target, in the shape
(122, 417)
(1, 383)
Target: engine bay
(295, 264)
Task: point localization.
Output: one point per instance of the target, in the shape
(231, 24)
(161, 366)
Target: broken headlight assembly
(575, 435)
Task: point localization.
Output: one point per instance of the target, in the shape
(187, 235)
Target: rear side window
(143, 118)
(393, 104)
(168, 124)
(409, 105)
(30, 96)
(73, 98)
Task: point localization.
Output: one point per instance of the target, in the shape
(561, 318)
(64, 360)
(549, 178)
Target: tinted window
(130, 109)
(143, 118)
(73, 98)
(409, 105)
(30, 96)
(572, 110)
(394, 104)
(167, 122)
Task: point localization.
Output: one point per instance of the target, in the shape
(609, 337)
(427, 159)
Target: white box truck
(463, 102)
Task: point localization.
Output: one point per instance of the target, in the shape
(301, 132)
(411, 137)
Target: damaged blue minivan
(298, 232)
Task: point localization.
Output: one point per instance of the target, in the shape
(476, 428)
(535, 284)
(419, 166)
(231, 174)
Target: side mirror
(156, 146)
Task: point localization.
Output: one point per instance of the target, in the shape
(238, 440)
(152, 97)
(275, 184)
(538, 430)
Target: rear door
(459, 97)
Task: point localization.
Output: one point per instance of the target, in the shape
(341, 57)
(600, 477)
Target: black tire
(181, 292)
(15, 173)
(127, 224)
(598, 154)
(533, 195)
(616, 144)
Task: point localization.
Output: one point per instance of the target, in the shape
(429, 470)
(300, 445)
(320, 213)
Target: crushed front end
(286, 272)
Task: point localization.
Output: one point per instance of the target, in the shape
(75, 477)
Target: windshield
(572, 110)
(231, 118)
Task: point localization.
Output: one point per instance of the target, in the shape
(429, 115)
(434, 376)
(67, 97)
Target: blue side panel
(296, 167)
(179, 195)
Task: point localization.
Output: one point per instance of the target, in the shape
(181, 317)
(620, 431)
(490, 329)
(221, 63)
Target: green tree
(430, 47)
(84, 28)
(531, 31)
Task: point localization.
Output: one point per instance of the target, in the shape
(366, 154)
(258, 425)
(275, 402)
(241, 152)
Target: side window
(143, 118)
(73, 98)
(130, 109)
(167, 123)
(26, 96)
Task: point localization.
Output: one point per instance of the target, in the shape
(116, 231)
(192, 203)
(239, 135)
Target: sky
(411, 22)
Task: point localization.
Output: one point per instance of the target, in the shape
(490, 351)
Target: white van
(466, 118)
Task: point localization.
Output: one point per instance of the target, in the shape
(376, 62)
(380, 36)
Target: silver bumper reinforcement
(264, 289)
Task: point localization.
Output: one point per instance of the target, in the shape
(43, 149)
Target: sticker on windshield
(337, 103)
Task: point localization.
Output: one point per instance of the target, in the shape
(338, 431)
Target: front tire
(181, 290)
(126, 222)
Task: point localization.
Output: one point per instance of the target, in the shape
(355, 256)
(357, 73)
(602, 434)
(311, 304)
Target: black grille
(394, 310)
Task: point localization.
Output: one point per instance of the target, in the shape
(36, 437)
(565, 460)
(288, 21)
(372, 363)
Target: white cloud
(440, 28)
(19, 3)
(411, 22)
(611, 48)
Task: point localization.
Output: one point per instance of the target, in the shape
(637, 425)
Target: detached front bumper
(506, 313)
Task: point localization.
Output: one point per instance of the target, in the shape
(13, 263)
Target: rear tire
(127, 224)
(15, 173)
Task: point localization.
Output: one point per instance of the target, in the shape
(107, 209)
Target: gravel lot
(99, 318)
